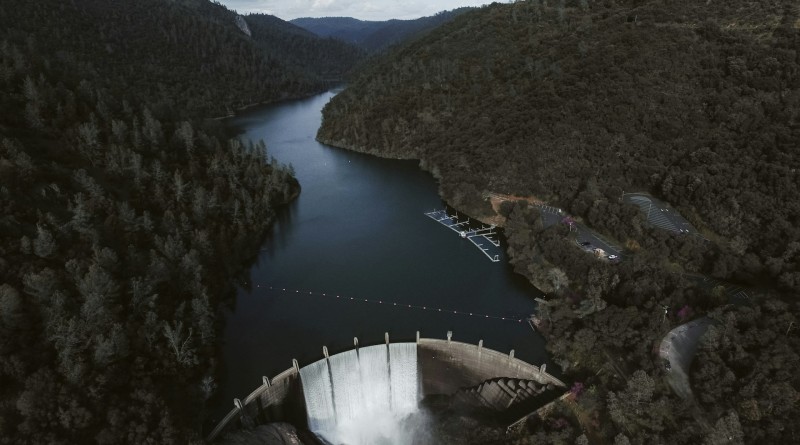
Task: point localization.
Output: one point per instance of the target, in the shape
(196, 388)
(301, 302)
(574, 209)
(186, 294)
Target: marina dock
(481, 237)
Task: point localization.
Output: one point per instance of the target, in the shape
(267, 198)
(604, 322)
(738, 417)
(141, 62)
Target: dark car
(586, 243)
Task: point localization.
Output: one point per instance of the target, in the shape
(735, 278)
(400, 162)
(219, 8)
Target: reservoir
(358, 230)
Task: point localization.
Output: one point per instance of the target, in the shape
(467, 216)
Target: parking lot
(735, 294)
(659, 213)
(552, 216)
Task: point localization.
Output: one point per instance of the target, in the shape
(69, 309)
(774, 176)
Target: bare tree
(180, 345)
(185, 133)
(208, 386)
(557, 278)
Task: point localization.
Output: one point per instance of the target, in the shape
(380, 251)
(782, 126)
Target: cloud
(361, 9)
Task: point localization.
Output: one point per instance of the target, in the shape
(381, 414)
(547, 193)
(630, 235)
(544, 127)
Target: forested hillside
(329, 59)
(185, 54)
(574, 102)
(124, 215)
(696, 103)
(374, 36)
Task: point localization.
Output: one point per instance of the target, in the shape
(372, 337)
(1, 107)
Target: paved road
(596, 241)
(552, 216)
(678, 348)
(660, 213)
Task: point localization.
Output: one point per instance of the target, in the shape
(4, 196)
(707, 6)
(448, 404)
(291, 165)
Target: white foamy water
(362, 397)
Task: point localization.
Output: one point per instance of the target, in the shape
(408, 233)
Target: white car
(612, 257)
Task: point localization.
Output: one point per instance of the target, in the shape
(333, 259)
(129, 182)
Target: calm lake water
(358, 230)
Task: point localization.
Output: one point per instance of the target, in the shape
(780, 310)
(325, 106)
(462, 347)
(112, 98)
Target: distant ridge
(375, 36)
(330, 59)
(196, 49)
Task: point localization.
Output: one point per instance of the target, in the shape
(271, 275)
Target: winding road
(677, 349)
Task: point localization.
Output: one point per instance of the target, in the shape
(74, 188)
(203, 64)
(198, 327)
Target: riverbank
(358, 231)
(288, 98)
(475, 213)
(493, 199)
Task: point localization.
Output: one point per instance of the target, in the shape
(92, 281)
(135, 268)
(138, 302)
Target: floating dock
(480, 237)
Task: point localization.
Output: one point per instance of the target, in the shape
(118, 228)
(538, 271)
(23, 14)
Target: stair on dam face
(500, 395)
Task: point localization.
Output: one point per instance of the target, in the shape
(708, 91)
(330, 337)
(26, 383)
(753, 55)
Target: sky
(360, 9)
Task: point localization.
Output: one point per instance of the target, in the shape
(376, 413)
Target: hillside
(514, 99)
(126, 214)
(574, 103)
(374, 36)
(330, 60)
(153, 46)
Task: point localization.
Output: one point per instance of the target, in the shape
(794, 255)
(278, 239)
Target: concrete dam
(360, 396)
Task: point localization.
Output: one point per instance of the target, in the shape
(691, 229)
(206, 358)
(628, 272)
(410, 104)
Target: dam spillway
(361, 396)
(330, 395)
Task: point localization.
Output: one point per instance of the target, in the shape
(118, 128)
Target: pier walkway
(480, 237)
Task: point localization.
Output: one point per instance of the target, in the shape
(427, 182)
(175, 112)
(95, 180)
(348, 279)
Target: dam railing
(444, 366)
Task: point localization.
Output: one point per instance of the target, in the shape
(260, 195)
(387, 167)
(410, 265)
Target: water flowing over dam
(361, 396)
(370, 395)
(359, 213)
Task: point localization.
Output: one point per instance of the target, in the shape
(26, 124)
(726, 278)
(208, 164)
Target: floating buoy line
(343, 298)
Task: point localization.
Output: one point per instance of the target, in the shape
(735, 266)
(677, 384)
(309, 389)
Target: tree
(99, 291)
(208, 386)
(203, 316)
(25, 245)
(180, 345)
(726, 431)
(33, 106)
(621, 439)
(41, 285)
(557, 278)
(636, 409)
(185, 134)
(83, 355)
(179, 186)
(44, 245)
(81, 216)
(11, 316)
(71, 338)
(119, 130)
(110, 346)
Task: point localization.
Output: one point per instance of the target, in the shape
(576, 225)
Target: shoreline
(269, 102)
(496, 219)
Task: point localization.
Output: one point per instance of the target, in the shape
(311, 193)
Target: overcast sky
(360, 9)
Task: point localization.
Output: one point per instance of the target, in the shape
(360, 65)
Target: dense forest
(375, 36)
(326, 59)
(190, 55)
(575, 103)
(125, 216)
